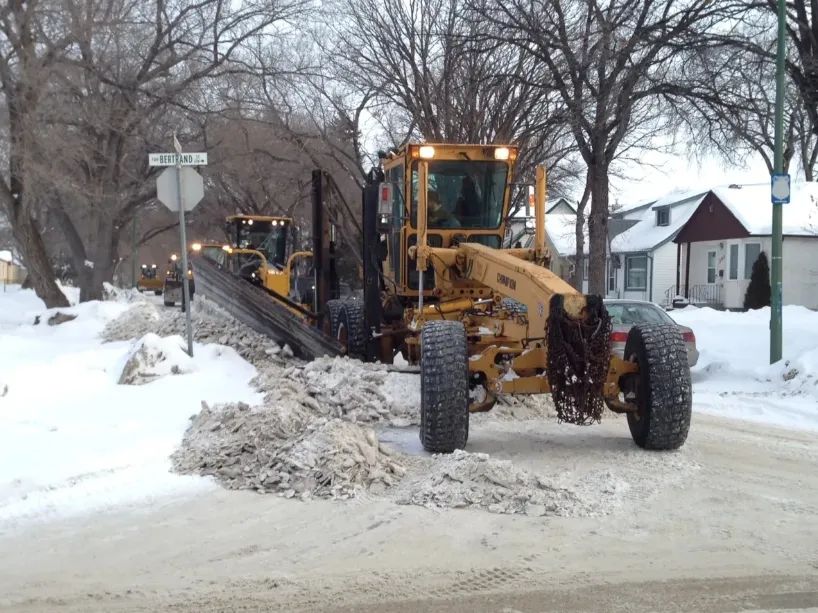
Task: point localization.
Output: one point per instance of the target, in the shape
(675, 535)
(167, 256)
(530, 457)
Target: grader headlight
(427, 152)
(501, 153)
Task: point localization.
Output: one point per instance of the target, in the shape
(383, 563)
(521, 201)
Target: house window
(734, 261)
(663, 216)
(751, 253)
(711, 266)
(636, 272)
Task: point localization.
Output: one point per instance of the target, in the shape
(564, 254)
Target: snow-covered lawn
(734, 378)
(71, 438)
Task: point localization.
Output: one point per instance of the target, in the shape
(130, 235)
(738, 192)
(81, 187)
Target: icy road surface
(536, 516)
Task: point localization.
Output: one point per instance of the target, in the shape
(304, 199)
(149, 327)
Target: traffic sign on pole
(180, 189)
(192, 188)
(172, 159)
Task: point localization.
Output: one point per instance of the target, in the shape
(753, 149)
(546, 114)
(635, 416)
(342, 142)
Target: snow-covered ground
(71, 438)
(734, 378)
(80, 432)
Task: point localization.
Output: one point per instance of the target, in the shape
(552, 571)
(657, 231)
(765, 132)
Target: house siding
(800, 271)
(664, 272)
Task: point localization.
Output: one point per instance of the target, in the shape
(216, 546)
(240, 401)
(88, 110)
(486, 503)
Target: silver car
(625, 313)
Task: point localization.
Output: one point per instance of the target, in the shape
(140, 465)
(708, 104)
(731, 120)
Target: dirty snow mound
(152, 357)
(285, 449)
(348, 389)
(136, 322)
(520, 408)
(464, 479)
(210, 325)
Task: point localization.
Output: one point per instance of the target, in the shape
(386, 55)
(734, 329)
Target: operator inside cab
(268, 237)
(463, 194)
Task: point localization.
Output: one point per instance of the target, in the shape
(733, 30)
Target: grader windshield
(267, 235)
(462, 194)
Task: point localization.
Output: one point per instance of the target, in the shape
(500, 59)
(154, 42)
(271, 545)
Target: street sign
(172, 159)
(780, 188)
(167, 188)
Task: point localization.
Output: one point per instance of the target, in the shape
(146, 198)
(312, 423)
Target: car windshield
(629, 313)
(462, 194)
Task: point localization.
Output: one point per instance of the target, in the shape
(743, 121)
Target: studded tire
(444, 387)
(663, 388)
(332, 311)
(351, 328)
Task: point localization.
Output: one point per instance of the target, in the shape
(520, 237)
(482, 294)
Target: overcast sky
(679, 173)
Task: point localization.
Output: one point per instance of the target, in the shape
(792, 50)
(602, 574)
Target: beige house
(11, 271)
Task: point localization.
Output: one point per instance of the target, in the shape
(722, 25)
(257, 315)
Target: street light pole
(776, 269)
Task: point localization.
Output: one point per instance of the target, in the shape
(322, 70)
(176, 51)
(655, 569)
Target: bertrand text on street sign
(172, 159)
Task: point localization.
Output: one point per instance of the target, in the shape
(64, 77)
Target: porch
(702, 294)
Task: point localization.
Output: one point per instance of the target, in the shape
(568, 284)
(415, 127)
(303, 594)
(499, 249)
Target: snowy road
(737, 533)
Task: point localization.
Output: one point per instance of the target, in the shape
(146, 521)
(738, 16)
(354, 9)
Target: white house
(717, 246)
(700, 245)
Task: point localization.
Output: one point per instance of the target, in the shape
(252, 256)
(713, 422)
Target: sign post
(779, 192)
(180, 188)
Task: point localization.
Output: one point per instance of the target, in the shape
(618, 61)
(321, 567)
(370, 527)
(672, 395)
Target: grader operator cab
(260, 252)
(479, 320)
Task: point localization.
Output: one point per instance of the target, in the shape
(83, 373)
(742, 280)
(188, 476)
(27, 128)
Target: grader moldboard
(478, 319)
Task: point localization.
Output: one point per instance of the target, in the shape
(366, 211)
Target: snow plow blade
(262, 311)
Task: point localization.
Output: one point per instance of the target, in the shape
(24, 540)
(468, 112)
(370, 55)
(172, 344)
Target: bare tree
(30, 49)
(138, 71)
(426, 58)
(736, 117)
(611, 63)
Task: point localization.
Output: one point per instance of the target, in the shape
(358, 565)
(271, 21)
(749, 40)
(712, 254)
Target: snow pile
(210, 325)
(71, 438)
(285, 449)
(153, 357)
(348, 389)
(733, 376)
(140, 319)
(464, 479)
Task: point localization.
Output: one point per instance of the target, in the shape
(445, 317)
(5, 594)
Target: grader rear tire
(331, 314)
(351, 330)
(663, 387)
(444, 387)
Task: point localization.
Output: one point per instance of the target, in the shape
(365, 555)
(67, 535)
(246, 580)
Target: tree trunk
(40, 271)
(576, 278)
(103, 246)
(598, 228)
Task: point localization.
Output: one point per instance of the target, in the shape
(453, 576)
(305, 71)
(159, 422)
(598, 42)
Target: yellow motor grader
(481, 320)
(148, 281)
(478, 319)
(260, 251)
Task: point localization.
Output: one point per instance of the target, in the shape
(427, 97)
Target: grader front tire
(444, 387)
(663, 387)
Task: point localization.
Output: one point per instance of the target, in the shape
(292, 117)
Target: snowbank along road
(338, 507)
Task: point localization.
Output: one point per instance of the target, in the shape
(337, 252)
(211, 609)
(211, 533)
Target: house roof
(644, 234)
(549, 206)
(752, 207)
(562, 230)
(7, 256)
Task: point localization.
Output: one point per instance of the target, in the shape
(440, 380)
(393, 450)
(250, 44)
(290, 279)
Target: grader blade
(578, 349)
(262, 312)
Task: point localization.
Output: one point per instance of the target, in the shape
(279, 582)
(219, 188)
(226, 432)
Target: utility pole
(779, 191)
